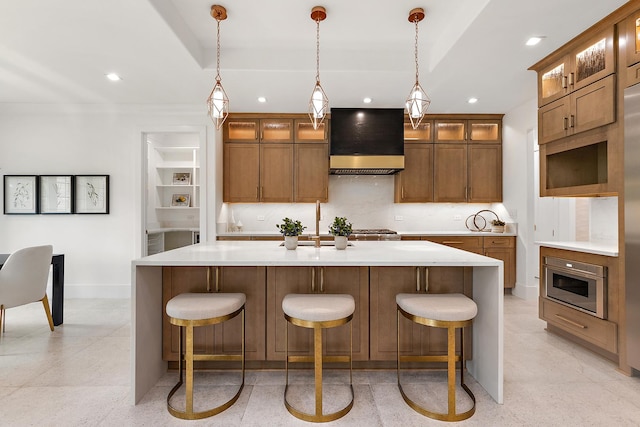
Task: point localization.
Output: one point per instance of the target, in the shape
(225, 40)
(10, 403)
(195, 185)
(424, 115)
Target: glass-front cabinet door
(450, 130)
(485, 131)
(593, 60)
(423, 133)
(633, 39)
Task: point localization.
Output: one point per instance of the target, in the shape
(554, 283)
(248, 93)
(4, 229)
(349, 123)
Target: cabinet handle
(326, 193)
(218, 279)
(261, 135)
(426, 279)
(571, 82)
(209, 278)
(498, 242)
(258, 193)
(417, 279)
(466, 193)
(566, 123)
(564, 82)
(571, 322)
(451, 242)
(402, 192)
(313, 279)
(573, 121)
(321, 279)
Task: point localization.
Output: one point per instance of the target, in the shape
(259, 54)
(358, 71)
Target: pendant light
(218, 102)
(418, 102)
(319, 103)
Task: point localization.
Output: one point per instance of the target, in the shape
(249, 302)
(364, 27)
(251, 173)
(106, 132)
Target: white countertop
(361, 253)
(402, 233)
(595, 247)
(168, 229)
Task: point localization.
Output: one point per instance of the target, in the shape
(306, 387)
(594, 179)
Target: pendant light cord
(415, 21)
(218, 52)
(318, 50)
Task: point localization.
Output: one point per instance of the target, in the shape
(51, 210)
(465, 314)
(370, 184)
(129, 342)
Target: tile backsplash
(367, 202)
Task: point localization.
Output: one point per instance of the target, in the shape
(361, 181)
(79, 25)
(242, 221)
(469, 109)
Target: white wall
(75, 140)
(519, 190)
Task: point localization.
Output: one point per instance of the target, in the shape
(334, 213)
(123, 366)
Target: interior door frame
(141, 188)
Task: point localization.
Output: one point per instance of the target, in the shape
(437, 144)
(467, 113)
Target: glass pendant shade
(417, 104)
(218, 105)
(318, 105)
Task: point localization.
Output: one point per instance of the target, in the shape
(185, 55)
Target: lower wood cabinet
(385, 284)
(225, 337)
(306, 280)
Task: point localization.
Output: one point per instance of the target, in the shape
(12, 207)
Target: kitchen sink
(322, 243)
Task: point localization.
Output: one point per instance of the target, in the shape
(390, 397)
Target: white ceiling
(59, 51)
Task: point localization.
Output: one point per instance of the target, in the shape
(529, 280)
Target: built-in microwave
(576, 284)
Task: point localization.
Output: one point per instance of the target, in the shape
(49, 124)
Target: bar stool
(318, 311)
(189, 310)
(450, 311)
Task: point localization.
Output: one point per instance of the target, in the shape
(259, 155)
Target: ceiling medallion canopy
(218, 102)
(319, 103)
(418, 102)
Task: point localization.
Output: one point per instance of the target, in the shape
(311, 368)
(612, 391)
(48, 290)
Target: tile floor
(79, 376)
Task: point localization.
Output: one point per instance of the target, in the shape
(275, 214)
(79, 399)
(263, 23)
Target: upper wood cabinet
(484, 175)
(476, 130)
(450, 173)
(588, 108)
(423, 133)
(415, 183)
(304, 131)
(279, 159)
(258, 173)
(632, 45)
(311, 172)
(267, 130)
(583, 64)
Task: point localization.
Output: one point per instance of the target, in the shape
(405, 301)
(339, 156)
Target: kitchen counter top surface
(361, 253)
(598, 247)
(402, 233)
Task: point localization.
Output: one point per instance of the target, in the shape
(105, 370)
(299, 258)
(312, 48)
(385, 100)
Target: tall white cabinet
(173, 191)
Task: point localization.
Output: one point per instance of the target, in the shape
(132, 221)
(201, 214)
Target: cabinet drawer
(467, 243)
(596, 331)
(499, 242)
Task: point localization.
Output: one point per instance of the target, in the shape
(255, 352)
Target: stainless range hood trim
(361, 164)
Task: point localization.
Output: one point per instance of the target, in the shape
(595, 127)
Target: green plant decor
(290, 227)
(497, 222)
(340, 227)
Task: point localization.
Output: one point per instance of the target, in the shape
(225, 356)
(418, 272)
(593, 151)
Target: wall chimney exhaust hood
(366, 141)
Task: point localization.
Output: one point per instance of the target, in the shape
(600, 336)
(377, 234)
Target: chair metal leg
(47, 310)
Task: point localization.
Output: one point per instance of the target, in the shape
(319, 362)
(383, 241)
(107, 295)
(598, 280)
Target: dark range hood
(366, 141)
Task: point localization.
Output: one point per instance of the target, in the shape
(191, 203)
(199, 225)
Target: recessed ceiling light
(262, 99)
(534, 41)
(114, 77)
(367, 100)
(472, 100)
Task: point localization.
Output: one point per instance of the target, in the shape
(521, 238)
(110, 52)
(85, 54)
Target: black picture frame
(56, 194)
(21, 195)
(91, 194)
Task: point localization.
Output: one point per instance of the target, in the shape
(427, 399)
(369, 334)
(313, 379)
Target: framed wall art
(21, 194)
(56, 194)
(91, 194)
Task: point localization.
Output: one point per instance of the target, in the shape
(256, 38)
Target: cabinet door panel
(594, 105)
(415, 183)
(311, 181)
(485, 173)
(450, 173)
(385, 283)
(632, 45)
(593, 60)
(276, 173)
(241, 173)
(553, 120)
(250, 281)
(355, 282)
(280, 282)
(553, 81)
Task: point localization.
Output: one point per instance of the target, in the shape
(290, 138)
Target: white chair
(23, 280)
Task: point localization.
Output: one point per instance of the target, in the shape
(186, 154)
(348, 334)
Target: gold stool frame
(318, 359)
(451, 358)
(190, 357)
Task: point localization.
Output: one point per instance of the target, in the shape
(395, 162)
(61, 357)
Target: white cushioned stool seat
(443, 307)
(196, 306)
(318, 307)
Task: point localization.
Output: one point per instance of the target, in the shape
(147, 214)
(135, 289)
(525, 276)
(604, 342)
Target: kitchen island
(147, 364)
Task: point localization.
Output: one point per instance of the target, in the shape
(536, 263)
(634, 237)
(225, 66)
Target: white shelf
(177, 208)
(176, 165)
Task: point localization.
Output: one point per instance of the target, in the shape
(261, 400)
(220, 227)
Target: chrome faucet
(317, 235)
